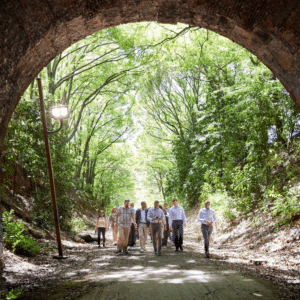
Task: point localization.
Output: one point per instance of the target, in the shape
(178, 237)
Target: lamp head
(60, 112)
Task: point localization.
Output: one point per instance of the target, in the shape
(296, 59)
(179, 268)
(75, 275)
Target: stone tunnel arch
(33, 32)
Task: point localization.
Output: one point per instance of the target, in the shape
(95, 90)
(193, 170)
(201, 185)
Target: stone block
(285, 60)
(76, 29)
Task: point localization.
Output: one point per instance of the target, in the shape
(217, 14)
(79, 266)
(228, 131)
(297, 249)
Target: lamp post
(58, 113)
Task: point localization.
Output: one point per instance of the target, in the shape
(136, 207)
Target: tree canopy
(157, 112)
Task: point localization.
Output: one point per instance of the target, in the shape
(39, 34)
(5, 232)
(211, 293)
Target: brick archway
(33, 32)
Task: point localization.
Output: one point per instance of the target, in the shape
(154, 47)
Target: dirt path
(100, 274)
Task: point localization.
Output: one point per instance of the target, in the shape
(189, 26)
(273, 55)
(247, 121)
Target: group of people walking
(161, 223)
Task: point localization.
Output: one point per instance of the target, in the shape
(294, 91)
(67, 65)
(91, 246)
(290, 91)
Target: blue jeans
(206, 231)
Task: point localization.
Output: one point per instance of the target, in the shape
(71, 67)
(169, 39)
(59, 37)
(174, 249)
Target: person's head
(101, 213)
(207, 204)
(172, 202)
(175, 201)
(166, 205)
(165, 211)
(126, 202)
(114, 210)
(156, 204)
(143, 205)
(131, 205)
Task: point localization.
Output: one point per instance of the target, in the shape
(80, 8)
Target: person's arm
(133, 217)
(137, 215)
(201, 218)
(117, 216)
(149, 217)
(146, 217)
(161, 217)
(170, 220)
(164, 221)
(183, 218)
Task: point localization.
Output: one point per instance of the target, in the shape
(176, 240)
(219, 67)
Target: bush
(78, 224)
(20, 244)
(14, 294)
(229, 214)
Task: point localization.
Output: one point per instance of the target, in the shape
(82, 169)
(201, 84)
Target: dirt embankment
(251, 243)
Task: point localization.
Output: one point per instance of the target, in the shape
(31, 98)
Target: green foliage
(210, 117)
(223, 115)
(77, 224)
(13, 294)
(14, 238)
(286, 207)
(229, 214)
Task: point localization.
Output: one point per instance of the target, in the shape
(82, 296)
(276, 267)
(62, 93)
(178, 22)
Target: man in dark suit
(143, 224)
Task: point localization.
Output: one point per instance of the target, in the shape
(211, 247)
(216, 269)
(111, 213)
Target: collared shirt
(143, 216)
(155, 213)
(168, 210)
(206, 214)
(177, 213)
(124, 216)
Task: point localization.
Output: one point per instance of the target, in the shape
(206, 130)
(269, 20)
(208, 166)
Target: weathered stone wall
(33, 32)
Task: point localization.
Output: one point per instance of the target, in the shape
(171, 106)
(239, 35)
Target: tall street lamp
(58, 113)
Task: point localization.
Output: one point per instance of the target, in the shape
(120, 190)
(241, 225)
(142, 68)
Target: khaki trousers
(123, 237)
(143, 231)
(115, 233)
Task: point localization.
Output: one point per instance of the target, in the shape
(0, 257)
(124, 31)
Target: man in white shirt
(156, 217)
(170, 232)
(176, 221)
(206, 217)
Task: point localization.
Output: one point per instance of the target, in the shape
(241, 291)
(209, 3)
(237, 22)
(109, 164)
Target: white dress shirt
(155, 213)
(206, 214)
(177, 213)
(143, 216)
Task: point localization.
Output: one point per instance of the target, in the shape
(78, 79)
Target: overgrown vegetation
(204, 115)
(13, 294)
(15, 239)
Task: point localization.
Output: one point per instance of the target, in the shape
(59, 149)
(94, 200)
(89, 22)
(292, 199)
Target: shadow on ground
(174, 275)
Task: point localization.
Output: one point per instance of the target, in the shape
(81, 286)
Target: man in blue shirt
(207, 217)
(177, 220)
(156, 217)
